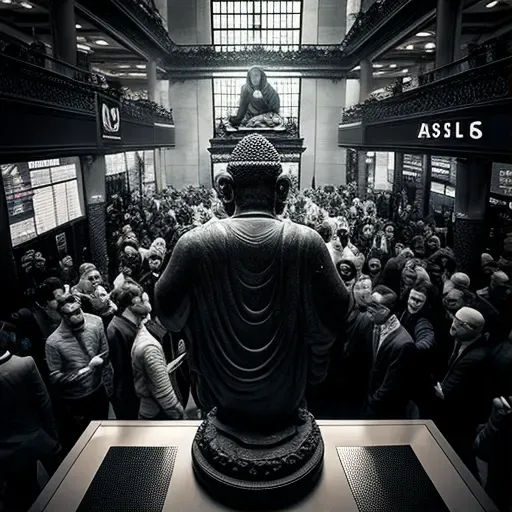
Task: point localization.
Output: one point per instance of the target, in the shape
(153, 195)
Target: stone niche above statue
(259, 105)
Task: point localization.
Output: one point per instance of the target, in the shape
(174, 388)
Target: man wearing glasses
(78, 360)
(463, 396)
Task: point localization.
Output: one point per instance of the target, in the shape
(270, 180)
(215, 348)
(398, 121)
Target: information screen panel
(501, 179)
(42, 195)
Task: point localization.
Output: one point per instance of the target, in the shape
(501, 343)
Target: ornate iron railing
(478, 85)
(209, 57)
(146, 111)
(367, 21)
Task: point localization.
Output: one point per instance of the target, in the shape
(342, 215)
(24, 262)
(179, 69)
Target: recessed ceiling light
(7, 1)
(78, 26)
(378, 66)
(124, 66)
(83, 47)
(378, 73)
(392, 65)
(405, 71)
(357, 68)
(137, 74)
(430, 46)
(141, 66)
(26, 5)
(101, 42)
(490, 5)
(409, 47)
(423, 34)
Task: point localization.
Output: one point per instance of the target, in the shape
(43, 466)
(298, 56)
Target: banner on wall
(109, 118)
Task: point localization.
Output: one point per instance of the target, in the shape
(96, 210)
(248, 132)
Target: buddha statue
(259, 103)
(260, 303)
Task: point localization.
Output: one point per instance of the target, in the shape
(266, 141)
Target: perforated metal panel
(131, 479)
(389, 478)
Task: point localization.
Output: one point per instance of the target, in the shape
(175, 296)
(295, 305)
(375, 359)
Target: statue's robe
(250, 106)
(261, 305)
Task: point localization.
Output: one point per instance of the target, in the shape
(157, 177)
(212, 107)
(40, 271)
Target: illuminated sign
(449, 130)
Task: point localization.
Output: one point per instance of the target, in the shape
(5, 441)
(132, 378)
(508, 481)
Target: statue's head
(256, 77)
(254, 178)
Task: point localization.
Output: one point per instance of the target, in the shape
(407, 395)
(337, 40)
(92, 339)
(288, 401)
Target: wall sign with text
(451, 130)
(501, 179)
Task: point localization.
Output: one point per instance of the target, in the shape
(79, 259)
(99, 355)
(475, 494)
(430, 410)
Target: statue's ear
(224, 187)
(283, 186)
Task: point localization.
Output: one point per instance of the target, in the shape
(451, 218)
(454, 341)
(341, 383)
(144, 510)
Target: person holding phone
(78, 360)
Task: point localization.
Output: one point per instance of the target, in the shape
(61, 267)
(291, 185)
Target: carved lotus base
(246, 470)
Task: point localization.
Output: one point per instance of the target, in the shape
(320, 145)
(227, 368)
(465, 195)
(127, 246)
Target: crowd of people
(422, 339)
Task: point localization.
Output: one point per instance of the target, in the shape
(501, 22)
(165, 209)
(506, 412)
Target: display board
(413, 167)
(501, 179)
(442, 168)
(42, 196)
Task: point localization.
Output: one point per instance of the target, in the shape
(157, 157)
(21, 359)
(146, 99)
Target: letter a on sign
(424, 133)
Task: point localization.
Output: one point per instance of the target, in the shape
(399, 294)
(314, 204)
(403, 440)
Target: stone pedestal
(253, 470)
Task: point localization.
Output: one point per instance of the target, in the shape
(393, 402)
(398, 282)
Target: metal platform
(450, 481)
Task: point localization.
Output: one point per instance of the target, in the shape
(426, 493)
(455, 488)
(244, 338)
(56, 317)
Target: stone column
(448, 31)
(365, 88)
(423, 193)
(62, 20)
(152, 81)
(398, 173)
(94, 172)
(8, 275)
(471, 201)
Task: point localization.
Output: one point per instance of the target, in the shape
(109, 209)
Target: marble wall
(189, 22)
(322, 100)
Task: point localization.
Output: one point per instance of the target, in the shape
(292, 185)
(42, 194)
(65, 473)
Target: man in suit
(393, 360)
(463, 396)
(27, 428)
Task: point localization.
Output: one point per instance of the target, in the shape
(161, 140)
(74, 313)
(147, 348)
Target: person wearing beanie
(462, 396)
(498, 278)
(394, 357)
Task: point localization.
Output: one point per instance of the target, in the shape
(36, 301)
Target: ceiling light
(357, 68)
(137, 74)
(405, 71)
(26, 5)
(124, 66)
(490, 5)
(406, 79)
(378, 66)
(101, 42)
(392, 65)
(7, 1)
(378, 73)
(81, 39)
(423, 34)
(141, 66)
(409, 47)
(430, 46)
(83, 47)
(78, 26)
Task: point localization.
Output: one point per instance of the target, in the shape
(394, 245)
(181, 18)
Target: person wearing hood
(347, 271)
(155, 260)
(432, 246)
(373, 266)
(259, 102)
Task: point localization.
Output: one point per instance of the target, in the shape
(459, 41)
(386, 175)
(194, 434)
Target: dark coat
(389, 395)
(121, 334)
(27, 427)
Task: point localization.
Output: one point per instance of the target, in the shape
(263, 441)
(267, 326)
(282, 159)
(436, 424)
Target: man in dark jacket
(416, 321)
(389, 395)
(493, 445)
(27, 428)
(463, 394)
(121, 334)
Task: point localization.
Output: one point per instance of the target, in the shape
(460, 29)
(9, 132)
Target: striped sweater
(152, 382)
(68, 354)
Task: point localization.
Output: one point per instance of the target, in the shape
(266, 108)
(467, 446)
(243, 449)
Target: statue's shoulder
(304, 233)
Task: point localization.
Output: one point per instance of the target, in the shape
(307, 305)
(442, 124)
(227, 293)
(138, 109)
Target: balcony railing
(478, 85)
(28, 74)
(369, 20)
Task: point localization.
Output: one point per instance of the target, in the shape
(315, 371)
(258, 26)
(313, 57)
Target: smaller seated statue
(259, 104)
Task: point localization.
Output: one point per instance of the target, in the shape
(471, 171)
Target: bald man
(463, 397)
